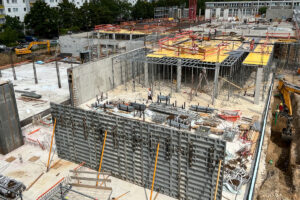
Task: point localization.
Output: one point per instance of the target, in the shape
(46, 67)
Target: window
(23, 1)
(15, 9)
(14, 1)
(9, 10)
(7, 1)
(25, 9)
(51, 1)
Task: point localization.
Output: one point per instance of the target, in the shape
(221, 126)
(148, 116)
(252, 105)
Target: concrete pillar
(259, 75)
(178, 81)
(218, 13)
(146, 74)
(226, 12)
(130, 37)
(57, 72)
(114, 36)
(216, 82)
(207, 14)
(34, 69)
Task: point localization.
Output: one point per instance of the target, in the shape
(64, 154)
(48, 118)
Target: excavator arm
(286, 89)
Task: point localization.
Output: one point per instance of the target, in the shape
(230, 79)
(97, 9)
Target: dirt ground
(6, 60)
(280, 182)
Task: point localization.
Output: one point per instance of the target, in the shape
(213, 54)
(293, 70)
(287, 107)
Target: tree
(43, 20)
(262, 10)
(13, 23)
(142, 10)
(67, 14)
(9, 36)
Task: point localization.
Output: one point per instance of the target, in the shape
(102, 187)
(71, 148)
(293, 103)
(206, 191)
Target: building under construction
(157, 109)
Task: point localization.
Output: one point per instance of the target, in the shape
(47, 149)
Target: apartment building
(19, 8)
(245, 8)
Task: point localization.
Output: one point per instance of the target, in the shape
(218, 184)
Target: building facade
(19, 8)
(242, 9)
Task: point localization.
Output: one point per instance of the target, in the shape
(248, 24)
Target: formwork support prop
(216, 82)
(218, 177)
(258, 83)
(146, 74)
(100, 165)
(153, 179)
(48, 164)
(178, 81)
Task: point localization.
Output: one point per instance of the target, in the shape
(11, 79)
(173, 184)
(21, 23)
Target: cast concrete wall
(77, 43)
(279, 13)
(90, 79)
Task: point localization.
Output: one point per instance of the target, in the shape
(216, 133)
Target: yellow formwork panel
(209, 46)
(257, 59)
(260, 55)
(123, 31)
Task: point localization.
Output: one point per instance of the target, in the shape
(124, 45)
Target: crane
(26, 50)
(192, 9)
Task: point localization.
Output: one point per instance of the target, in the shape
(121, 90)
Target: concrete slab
(47, 86)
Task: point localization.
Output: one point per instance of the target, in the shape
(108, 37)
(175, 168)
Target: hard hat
(281, 104)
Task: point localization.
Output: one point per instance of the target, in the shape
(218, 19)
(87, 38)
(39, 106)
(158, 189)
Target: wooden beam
(88, 172)
(89, 179)
(91, 186)
(34, 181)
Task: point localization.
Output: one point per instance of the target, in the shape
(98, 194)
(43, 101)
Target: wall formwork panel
(10, 129)
(187, 164)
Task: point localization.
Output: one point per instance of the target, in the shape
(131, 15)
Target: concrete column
(207, 14)
(130, 37)
(146, 74)
(259, 75)
(34, 70)
(57, 72)
(216, 82)
(114, 36)
(178, 81)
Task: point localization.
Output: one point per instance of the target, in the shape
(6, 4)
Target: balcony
(1, 6)
(2, 16)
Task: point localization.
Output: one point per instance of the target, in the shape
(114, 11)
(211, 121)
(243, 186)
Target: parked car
(2, 48)
(30, 38)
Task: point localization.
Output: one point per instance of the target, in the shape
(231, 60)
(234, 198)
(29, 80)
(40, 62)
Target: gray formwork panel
(10, 130)
(187, 164)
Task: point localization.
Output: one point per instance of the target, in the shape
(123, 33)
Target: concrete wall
(90, 79)
(77, 43)
(279, 13)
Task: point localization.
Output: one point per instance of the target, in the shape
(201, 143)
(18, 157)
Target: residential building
(19, 8)
(244, 8)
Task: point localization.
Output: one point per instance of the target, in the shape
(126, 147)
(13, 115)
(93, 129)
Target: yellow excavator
(286, 89)
(26, 50)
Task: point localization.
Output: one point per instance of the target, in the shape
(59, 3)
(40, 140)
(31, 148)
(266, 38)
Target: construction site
(156, 109)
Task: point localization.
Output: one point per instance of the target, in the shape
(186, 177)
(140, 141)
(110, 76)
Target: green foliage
(43, 20)
(262, 10)
(14, 23)
(142, 10)
(9, 36)
(67, 14)
(11, 31)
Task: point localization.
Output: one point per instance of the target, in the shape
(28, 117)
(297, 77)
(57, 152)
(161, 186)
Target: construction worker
(281, 107)
(149, 94)
(252, 45)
